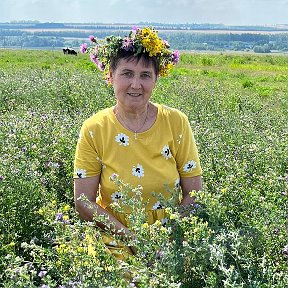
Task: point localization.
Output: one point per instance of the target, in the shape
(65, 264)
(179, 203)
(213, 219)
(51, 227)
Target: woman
(141, 142)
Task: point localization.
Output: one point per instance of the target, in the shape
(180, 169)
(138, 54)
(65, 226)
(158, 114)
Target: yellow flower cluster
(151, 42)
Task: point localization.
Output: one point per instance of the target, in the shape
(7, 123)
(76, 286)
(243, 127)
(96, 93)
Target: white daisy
(189, 166)
(157, 205)
(81, 173)
(116, 196)
(166, 153)
(122, 139)
(138, 171)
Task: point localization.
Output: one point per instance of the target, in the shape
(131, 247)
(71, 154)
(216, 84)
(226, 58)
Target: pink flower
(92, 38)
(94, 58)
(83, 48)
(176, 56)
(127, 44)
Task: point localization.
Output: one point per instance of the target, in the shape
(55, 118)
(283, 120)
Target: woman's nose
(136, 83)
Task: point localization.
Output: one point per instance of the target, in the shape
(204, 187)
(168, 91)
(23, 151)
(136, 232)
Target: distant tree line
(182, 39)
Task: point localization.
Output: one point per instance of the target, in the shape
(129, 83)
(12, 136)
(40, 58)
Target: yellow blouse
(154, 159)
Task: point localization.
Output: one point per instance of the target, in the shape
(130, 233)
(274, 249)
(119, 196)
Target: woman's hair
(129, 56)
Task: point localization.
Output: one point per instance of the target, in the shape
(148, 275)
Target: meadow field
(237, 233)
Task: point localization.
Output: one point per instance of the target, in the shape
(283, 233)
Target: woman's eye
(128, 74)
(146, 75)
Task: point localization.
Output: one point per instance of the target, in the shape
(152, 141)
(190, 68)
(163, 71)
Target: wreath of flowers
(145, 40)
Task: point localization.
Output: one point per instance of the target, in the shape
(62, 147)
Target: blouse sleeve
(87, 162)
(188, 163)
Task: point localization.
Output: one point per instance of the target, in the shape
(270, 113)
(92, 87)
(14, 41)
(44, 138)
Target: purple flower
(96, 61)
(94, 58)
(83, 48)
(1, 177)
(92, 38)
(176, 56)
(42, 273)
(101, 66)
(127, 44)
(59, 217)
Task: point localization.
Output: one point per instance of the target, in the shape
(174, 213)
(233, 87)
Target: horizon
(225, 12)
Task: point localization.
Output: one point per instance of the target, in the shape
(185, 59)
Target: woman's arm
(189, 184)
(89, 187)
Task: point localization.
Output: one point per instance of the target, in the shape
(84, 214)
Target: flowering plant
(139, 41)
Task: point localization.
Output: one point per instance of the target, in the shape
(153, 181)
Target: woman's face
(133, 82)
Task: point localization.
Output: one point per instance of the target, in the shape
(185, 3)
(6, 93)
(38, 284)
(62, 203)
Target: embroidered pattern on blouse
(122, 139)
(157, 205)
(138, 171)
(166, 152)
(81, 173)
(116, 196)
(189, 166)
(179, 139)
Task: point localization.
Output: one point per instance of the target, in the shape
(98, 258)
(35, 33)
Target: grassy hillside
(237, 235)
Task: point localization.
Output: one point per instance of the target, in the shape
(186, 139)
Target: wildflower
(66, 219)
(145, 40)
(41, 211)
(173, 216)
(176, 57)
(1, 177)
(92, 38)
(66, 208)
(145, 225)
(127, 44)
(91, 251)
(83, 48)
(42, 273)
(59, 217)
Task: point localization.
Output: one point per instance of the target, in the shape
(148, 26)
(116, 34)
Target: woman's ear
(110, 77)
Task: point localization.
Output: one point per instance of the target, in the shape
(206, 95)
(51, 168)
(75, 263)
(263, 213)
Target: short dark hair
(129, 56)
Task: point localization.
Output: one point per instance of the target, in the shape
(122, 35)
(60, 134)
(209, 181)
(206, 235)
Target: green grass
(237, 106)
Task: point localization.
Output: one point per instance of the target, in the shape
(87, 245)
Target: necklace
(129, 128)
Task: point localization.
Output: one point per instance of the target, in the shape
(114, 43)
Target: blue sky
(230, 12)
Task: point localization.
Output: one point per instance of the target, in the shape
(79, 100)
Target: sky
(228, 12)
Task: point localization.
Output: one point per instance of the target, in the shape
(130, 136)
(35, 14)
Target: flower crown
(139, 41)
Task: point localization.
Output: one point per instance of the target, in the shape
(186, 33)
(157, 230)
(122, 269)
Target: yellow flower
(91, 251)
(157, 223)
(65, 217)
(173, 216)
(145, 225)
(163, 229)
(66, 208)
(41, 211)
(223, 190)
(54, 202)
(80, 249)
